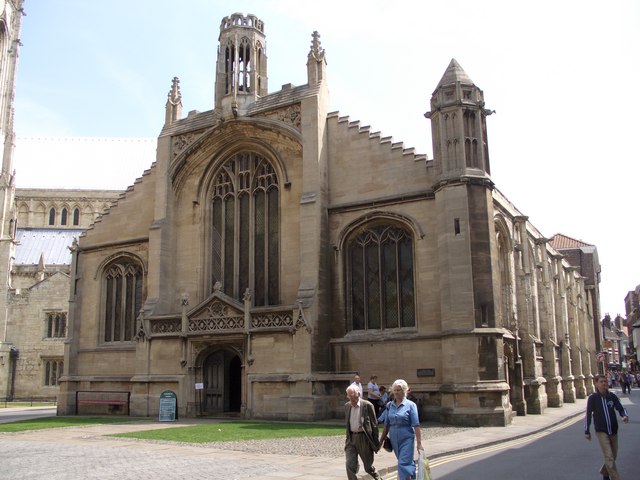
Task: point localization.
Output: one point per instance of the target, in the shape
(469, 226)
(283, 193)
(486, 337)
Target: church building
(275, 248)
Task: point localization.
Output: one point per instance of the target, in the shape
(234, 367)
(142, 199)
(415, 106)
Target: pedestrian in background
(362, 434)
(358, 384)
(373, 393)
(601, 407)
(403, 427)
(624, 382)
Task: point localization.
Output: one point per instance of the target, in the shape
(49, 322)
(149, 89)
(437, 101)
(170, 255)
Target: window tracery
(122, 300)
(245, 228)
(381, 285)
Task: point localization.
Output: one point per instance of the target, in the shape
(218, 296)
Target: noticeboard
(168, 404)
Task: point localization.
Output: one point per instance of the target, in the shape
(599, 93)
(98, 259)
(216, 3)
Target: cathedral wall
(192, 209)
(420, 218)
(414, 354)
(88, 306)
(27, 329)
(276, 353)
(129, 219)
(107, 361)
(364, 168)
(34, 206)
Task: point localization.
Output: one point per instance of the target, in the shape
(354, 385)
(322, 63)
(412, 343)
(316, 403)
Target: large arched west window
(245, 228)
(122, 288)
(381, 291)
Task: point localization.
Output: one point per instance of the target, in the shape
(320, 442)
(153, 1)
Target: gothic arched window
(63, 217)
(52, 216)
(245, 228)
(381, 290)
(122, 287)
(76, 216)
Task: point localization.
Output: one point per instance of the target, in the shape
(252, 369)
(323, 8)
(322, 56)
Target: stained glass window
(381, 286)
(123, 300)
(245, 229)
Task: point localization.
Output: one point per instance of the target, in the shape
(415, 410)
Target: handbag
(387, 445)
(423, 471)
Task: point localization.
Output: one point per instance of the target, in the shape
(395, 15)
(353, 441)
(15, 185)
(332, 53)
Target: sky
(561, 76)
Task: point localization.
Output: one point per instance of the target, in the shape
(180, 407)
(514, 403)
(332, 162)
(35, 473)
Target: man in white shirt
(362, 434)
(356, 383)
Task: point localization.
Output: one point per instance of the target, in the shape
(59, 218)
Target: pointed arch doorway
(222, 378)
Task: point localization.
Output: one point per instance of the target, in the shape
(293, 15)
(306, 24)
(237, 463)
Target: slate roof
(51, 243)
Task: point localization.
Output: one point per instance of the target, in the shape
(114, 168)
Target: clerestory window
(245, 229)
(122, 287)
(380, 279)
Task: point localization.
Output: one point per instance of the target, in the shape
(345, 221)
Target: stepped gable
(560, 242)
(122, 196)
(377, 136)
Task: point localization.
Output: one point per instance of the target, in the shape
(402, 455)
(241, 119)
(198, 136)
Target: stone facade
(10, 24)
(275, 248)
(38, 287)
(62, 209)
(632, 322)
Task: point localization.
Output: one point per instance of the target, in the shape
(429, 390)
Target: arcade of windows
(64, 214)
(380, 288)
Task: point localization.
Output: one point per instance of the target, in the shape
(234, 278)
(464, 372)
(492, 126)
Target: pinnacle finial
(174, 94)
(173, 106)
(316, 51)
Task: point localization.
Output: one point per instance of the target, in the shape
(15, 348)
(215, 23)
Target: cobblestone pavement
(89, 453)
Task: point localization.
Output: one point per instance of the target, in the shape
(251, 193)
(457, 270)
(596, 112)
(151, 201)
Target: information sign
(168, 403)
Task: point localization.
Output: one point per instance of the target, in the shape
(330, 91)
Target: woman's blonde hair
(402, 384)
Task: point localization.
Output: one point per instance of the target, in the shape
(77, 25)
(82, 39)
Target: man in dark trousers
(362, 434)
(602, 406)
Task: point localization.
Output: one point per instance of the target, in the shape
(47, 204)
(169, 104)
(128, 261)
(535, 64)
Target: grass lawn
(57, 422)
(234, 431)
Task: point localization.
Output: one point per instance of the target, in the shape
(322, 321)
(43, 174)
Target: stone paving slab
(87, 453)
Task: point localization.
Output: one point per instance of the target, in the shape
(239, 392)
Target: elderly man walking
(362, 434)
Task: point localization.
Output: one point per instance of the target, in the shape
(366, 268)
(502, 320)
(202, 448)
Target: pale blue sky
(561, 76)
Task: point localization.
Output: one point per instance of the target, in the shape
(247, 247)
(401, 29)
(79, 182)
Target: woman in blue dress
(403, 428)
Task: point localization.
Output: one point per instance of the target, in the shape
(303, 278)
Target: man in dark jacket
(602, 406)
(362, 434)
